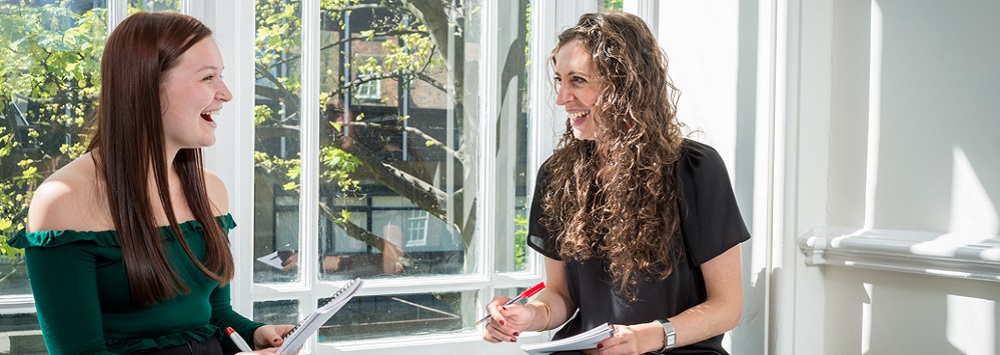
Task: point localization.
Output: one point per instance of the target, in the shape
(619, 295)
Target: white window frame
(231, 158)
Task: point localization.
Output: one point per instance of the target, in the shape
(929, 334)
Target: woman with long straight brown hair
(639, 226)
(127, 246)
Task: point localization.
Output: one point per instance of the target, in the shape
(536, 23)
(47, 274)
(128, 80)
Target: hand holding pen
(238, 340)
(527, 293)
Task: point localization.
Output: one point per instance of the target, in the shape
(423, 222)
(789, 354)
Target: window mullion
(488, 114)
(309, 135)
(117, 11)
(188, 7)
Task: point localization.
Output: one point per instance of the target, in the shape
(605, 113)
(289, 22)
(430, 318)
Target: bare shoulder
(70, 199)
(217, 194)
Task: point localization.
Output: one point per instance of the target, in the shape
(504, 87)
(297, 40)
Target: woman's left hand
(626, 341)
(270, 336)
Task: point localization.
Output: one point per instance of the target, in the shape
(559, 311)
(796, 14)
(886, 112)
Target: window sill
(467, 342)
(973, 256)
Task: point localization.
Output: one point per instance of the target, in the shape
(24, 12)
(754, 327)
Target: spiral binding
(335, 295)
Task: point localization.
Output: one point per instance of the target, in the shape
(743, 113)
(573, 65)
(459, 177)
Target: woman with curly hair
(639, 226)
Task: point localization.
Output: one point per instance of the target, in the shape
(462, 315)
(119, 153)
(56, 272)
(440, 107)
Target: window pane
(51, 59)
(276, 156)
(276, 312)
(372, 317)
(20, 334)
(512, 137)
(154, 5)
(397, 146)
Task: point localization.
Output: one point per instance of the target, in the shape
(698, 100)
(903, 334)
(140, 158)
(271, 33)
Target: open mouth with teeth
(578, 118)
(207, 115)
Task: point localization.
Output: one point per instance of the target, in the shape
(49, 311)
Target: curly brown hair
(616, 196)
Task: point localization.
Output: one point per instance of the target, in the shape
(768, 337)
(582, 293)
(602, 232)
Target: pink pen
(527, 293)
(238, 340)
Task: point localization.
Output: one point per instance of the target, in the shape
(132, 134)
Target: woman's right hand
(507, 322)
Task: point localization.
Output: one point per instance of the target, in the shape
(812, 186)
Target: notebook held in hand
(298, 336)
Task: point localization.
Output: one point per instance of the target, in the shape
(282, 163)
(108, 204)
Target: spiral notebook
(582, 341)
(298, 336)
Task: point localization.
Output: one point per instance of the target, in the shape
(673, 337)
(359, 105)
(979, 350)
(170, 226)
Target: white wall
(719, 55)
(897, 103)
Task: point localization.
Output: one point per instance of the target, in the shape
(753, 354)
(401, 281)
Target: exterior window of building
(369, 87)
(416, 229)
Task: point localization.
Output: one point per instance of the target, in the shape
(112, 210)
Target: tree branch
(345, 40)
(278, 130)
(59, 99)
(391, 75)
(436, 143)
(424, 195)
(353, 230)
(286, 97)
(358, 233)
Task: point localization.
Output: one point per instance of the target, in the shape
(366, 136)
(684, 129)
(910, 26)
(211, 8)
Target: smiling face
(190, 94)
(578, 87)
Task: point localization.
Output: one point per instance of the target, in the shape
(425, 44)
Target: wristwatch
(669, 335)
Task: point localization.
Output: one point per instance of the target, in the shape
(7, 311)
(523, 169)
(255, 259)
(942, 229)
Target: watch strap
(669, 335)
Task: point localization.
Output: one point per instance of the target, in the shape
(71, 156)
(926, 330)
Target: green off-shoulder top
(85, 307)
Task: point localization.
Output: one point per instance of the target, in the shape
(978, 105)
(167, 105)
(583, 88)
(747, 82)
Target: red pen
(527, 293)
(238, 340)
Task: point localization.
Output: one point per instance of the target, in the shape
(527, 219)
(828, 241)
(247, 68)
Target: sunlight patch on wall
(874, 113)
(971, 324)
(972, 211)
(866, 320)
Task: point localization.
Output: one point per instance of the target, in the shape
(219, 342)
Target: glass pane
(276, 156)
(372, 317)
(154, 5)
(276, 312)
(51, 60)
(398, 143)
(512, 137)
(20, 334)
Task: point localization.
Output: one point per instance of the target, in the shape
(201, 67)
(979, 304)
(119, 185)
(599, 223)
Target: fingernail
(599, 345)
(501, 322)
(276, 340)
(513, 339)
(503, 307)
(517, 333)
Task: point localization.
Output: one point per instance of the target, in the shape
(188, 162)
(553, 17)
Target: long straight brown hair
(129, 142)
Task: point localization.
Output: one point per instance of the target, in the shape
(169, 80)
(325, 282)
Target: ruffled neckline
(106, 238)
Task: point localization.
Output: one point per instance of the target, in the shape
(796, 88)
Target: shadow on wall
(883, 312)
(746, 107)
(748, 337)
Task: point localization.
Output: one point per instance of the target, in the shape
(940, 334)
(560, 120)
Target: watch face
(669, 335)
